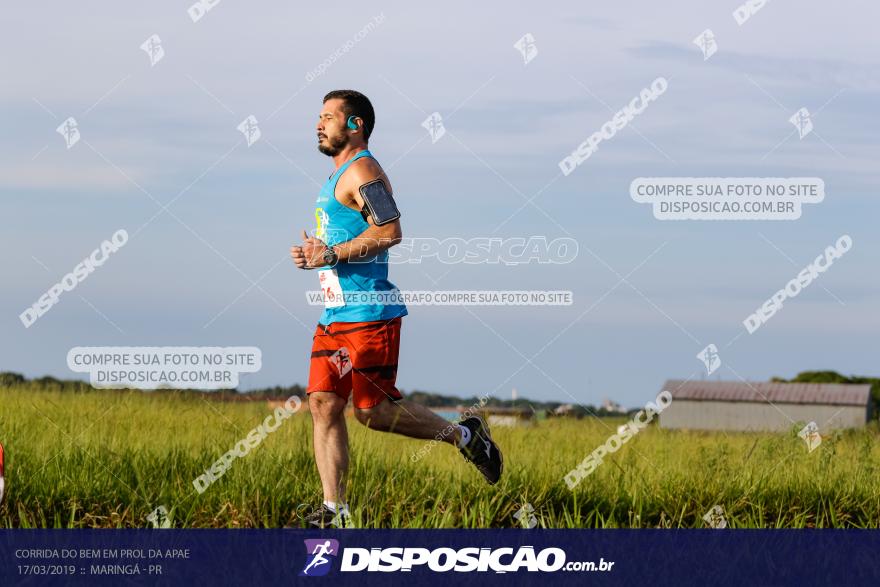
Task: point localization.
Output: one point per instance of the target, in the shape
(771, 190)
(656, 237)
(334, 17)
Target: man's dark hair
(356, 104)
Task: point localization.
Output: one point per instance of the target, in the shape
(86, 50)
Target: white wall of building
(718, 415)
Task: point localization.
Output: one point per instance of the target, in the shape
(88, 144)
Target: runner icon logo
(341, 359)
(710, 358)
(320, 553)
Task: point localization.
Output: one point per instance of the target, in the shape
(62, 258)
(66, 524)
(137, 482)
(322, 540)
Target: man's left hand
(313, 249)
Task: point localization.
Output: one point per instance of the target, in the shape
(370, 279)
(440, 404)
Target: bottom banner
(427, 557)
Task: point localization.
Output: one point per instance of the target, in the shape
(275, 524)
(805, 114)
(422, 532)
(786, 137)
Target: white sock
(465, 435)
(342, 507)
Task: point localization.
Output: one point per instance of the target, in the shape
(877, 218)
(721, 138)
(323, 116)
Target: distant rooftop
(838, 394)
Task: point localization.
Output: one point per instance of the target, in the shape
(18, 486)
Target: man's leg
(380, 406)
(417, 421)
(331, 442)
(408, 419)
(373, 381)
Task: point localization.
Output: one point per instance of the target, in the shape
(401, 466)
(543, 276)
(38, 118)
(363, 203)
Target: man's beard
(335, 146)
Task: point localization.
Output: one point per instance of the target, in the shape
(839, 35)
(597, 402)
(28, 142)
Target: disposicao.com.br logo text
(443, 559)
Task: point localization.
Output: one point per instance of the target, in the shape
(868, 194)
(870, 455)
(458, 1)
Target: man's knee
(326, 406)
(375, 417)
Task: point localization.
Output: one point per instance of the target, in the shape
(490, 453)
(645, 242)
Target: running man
(355, 345)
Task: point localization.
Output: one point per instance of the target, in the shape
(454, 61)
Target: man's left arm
(371, 241)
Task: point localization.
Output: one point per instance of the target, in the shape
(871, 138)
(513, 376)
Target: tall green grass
(107, 459)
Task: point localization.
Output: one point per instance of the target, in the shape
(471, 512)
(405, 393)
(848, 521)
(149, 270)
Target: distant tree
(820, 377)
(8, 379)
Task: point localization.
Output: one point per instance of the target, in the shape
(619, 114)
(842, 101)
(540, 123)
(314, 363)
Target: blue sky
(186, 277)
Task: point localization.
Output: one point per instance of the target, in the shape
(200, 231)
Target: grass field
(107, 459)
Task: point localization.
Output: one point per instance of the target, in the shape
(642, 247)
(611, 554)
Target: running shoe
(324, 517)
(482, 451)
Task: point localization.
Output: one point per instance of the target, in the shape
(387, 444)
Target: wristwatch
(330, 256)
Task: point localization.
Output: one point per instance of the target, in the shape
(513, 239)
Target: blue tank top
(337, 223)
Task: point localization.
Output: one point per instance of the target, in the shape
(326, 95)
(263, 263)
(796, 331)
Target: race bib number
(331, 288)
